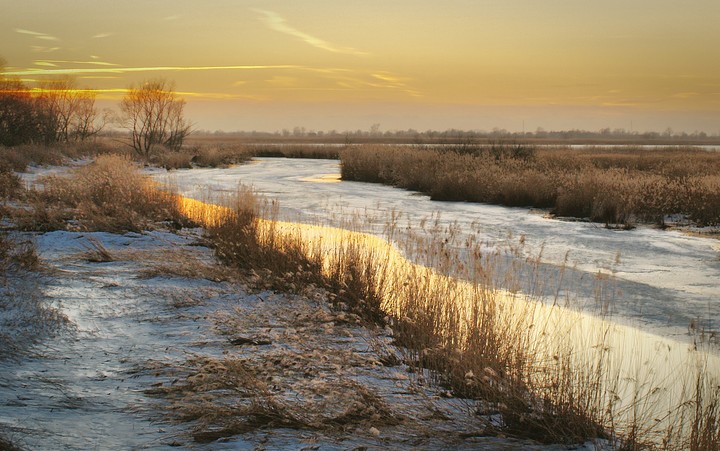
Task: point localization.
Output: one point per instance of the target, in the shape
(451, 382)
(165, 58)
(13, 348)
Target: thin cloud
(117, 92)
(123, 70)
(41, 49)
(277, 23)
(93, 63)
(337, 78)
(37, 35)
(32, 33)
(102, 35)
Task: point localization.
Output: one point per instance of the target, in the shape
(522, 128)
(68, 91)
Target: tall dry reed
(550, 374)
(617, 186)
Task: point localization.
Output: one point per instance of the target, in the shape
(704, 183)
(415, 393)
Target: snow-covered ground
(131, 326)
(662, 281)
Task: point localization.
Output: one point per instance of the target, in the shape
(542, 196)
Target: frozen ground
(132, 325)
(662, 280)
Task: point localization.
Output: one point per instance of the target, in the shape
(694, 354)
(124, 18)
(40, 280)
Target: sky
(638, 65)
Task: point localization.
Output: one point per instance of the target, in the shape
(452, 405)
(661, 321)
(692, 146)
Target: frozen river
(661, 281)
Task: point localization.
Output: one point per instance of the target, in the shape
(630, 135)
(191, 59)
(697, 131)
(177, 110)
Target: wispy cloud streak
(275, 22)
(92, 63)
(43, 36)
(123, 70)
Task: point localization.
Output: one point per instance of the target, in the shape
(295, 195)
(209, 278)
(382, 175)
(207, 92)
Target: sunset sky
(423, 64)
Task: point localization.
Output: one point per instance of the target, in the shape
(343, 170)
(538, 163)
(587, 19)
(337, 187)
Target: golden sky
(336, 64)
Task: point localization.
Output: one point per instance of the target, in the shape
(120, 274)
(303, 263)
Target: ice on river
(663, 280)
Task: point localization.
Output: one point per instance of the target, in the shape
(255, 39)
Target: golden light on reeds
(632, 378)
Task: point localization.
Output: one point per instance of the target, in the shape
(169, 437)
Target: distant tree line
(457, 136)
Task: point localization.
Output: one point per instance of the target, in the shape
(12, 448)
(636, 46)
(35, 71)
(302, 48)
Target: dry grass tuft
(25, 317)
(97, 253)
(240, 241)
(228, 396)
(10, 183)
(184, 264)
(17, 256)
(108, 194)
(7, 445)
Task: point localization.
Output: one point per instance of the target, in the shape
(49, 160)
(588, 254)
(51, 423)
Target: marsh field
(231, 295)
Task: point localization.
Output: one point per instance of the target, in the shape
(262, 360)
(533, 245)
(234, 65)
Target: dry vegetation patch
(614, 186)
(25, 316)
(472, 338)
(108, 194)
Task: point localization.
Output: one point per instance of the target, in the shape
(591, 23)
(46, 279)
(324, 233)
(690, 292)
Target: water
(653, 283)
(661, 281)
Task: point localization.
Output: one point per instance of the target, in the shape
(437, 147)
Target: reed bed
(609, 185)
(552, 374)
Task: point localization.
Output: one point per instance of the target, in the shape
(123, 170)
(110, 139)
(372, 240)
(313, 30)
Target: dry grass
(108, 194)
(514, 355)
(20, 157)
(615, 186)
(10, 183)
(328, 152)
(25, 316)
(229, 396)
(371, 281)
(184, 264)
(217, 155)
(97, 253)
(7, 445)
(17, 256)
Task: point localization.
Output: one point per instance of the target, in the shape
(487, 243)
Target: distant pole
(523, 126)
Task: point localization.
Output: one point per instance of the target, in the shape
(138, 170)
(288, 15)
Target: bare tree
(87, 121)
(18, 118)
(66, 113)
(153, 113)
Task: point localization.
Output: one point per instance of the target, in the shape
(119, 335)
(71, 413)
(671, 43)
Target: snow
(84, 387)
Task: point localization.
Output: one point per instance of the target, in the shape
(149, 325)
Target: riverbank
(216, 372)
